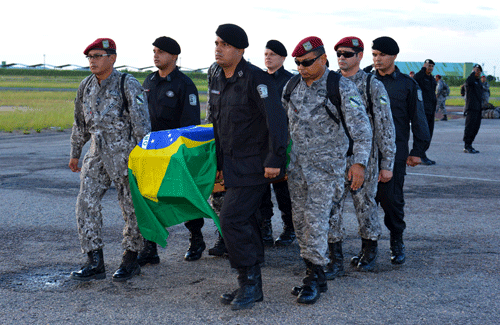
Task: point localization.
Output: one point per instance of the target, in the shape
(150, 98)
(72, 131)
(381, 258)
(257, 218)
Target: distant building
(461, 70)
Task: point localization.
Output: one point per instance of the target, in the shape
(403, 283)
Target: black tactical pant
(391, 199)
(472, 124)
(240, 221)
(194, 226)
(284, 203)
(430, 117)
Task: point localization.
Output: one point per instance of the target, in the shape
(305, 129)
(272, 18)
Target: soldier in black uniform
(428, 84)
(472, 112)
(173, 103)
(250, 131)
(407, 112)
(275, 55)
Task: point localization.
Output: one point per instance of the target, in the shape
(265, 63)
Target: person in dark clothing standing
(472, 112)
(275, 55)
(250, 129)
(407, 112)
(428, 86)
(173, 103)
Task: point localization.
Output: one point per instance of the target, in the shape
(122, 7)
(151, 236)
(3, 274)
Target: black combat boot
(314, 284)
(336, 266)
(93, 269)
(219, 248)
(266, 230)
(445, 118)
(369, 255)
(249, 291)
(287, 236)
(149, 254)
(397, 249)
(128, 268)
(196, 247)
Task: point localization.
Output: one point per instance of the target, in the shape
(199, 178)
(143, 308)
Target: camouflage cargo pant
(364, 205)
(441, 105)
(94, 182)
(314, 193)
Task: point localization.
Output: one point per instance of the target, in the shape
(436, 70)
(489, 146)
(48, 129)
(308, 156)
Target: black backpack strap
(125, 101)
(369, 108)
(290, 86)
(333, 93)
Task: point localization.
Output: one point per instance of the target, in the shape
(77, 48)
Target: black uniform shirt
(474, 95)
(427, 84)
(406, 107)
(173, 101)
(281, 77)
(250, 128)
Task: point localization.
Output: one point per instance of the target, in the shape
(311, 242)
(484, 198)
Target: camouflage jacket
(99, 116)
(317, 137)
(384, 135)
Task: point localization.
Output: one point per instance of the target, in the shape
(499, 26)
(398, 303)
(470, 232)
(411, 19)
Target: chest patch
(170, 94)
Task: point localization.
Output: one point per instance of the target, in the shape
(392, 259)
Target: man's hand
(271, 172)
(73, 165)
(384, 176)
(356, 175)
(219, 177)
(413, 161)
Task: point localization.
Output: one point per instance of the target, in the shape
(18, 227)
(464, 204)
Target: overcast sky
(445, 31)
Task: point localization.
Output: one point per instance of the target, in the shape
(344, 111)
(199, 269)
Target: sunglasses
(346, 54)
(307, 63)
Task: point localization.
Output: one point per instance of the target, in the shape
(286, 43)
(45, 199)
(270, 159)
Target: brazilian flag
(171, 175)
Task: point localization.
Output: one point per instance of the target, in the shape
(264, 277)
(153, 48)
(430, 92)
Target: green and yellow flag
(171, 175)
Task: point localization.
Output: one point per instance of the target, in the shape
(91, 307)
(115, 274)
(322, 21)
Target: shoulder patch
(384, 100)
(262, 89)
(419, 95)
(355, 101)
(145, 141)
(139, 99)
(192, 100)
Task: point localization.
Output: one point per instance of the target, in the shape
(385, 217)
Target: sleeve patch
(419, 95)
(139, 99)
(383, 100)
(262, 89)
(355, 101)
(192, 100)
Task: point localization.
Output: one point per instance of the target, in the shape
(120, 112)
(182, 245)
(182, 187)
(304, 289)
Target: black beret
(478, 66)
(277, 47)
(385, 45)
(430, 61)
(233, 35)
(168, 45)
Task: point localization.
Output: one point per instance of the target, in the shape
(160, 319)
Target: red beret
(101, 44)
(307, 45)
(350, 41)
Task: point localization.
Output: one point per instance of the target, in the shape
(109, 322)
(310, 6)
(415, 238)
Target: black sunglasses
(307, 63)
(346, 54)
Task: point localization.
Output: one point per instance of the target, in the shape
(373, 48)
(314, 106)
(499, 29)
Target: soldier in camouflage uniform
(442, 91)
(114, 129)
(318, 157)
(375, 98)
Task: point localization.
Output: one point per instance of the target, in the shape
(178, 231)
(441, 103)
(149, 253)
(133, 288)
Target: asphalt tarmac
(451, 276)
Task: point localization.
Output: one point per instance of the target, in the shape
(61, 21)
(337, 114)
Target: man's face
(315, 70)
(272, 60)
(348, 64)
(429, 68)
(163, 59)
(477, 72)
(101, 65)
(483, 79)
(226, 55)
(383, 62)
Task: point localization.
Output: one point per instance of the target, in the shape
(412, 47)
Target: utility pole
(44, 61)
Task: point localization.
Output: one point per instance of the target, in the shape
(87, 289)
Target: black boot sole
(245, 306)
(149, 260)
(99, 276)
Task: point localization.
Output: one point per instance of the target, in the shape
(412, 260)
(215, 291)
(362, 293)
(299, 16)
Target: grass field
(33, 111)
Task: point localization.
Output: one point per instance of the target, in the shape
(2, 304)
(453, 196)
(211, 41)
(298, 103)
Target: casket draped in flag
(171, 175)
